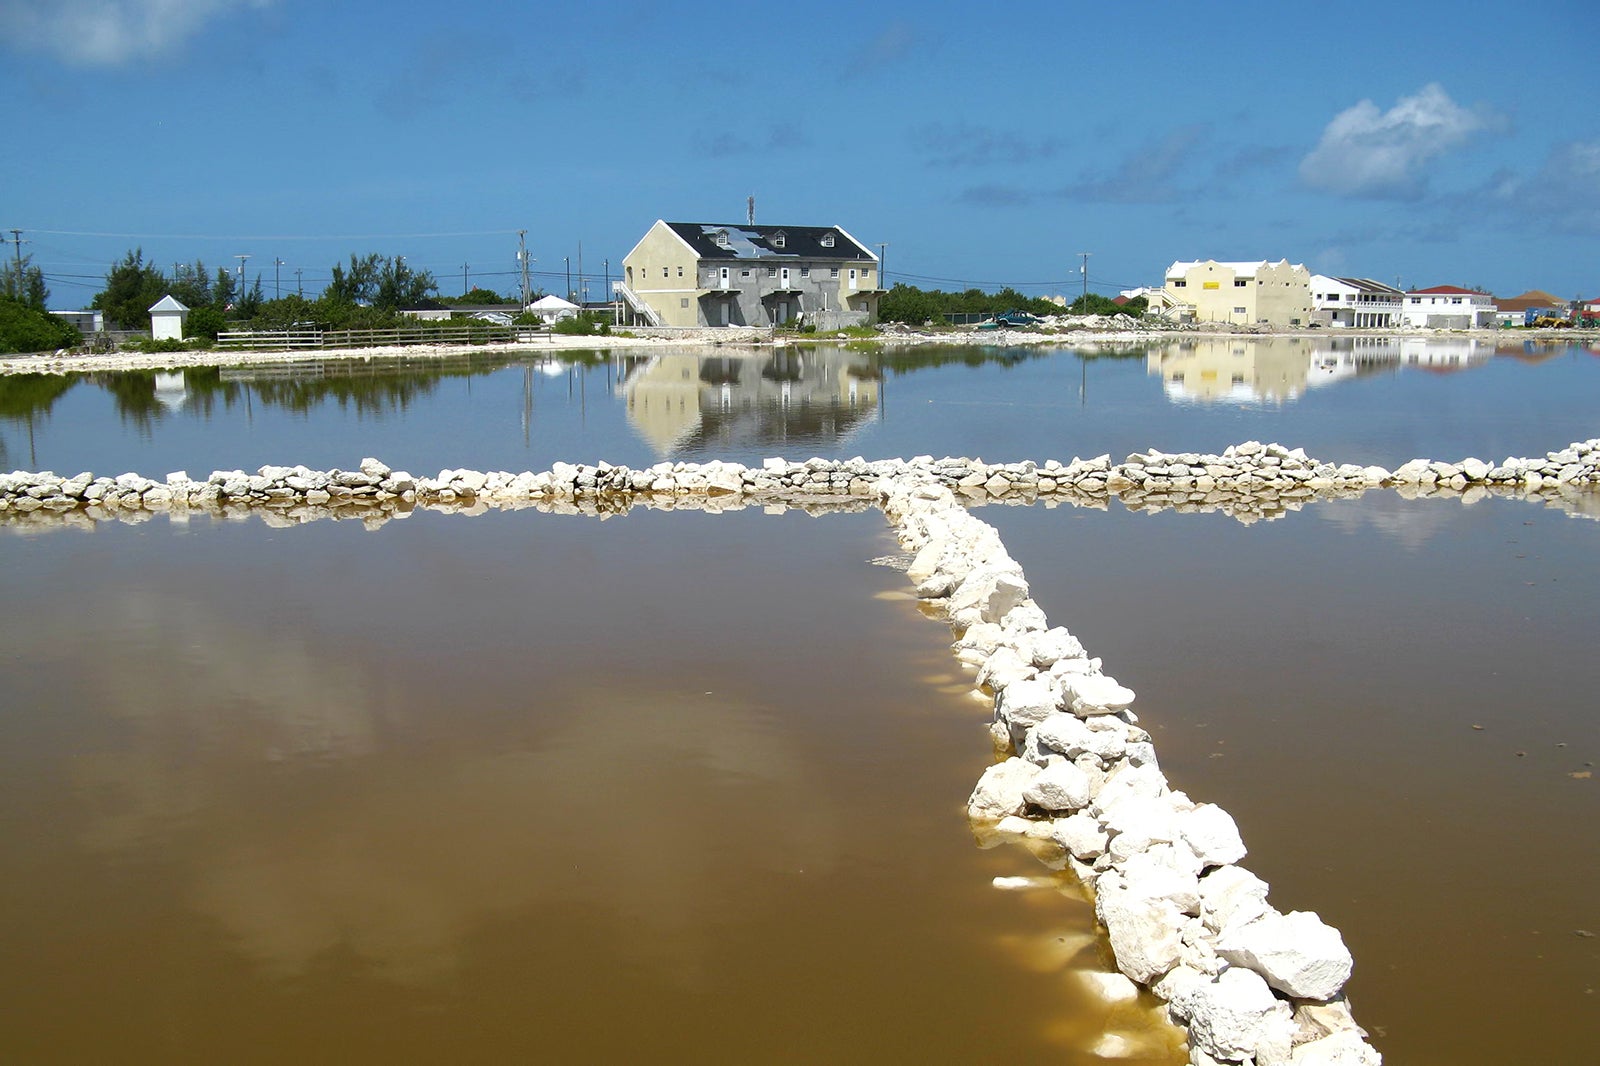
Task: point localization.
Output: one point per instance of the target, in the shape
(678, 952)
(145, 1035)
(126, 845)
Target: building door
(783, 278)
(724, 278)
(723, 314)
(852, 277)
(781, 315)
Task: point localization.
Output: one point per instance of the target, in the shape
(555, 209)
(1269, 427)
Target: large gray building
(710, 274)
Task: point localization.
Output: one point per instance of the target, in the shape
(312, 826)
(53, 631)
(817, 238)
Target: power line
(272, 237)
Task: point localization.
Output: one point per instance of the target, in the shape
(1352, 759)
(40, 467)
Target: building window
(665, 272)
(827, 240)
(805, 272)
(779, 240)
(772, 272)
(683, 302)
(722, 238)
(680, 272)
(833, 272)
(1240, 283)
(1176, 283)
(1239, 311)
(745, 273)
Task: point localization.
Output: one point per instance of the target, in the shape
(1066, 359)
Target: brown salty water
(668, 788)
(1397, 702)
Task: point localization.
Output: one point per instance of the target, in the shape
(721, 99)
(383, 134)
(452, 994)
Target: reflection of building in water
(1277, 369)
(679, 403)
(1233, 369)
(170, 389)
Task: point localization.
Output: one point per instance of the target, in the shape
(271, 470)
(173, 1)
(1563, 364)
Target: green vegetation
(477, 297)
(914, 306)
(583, 324)
(25, 325)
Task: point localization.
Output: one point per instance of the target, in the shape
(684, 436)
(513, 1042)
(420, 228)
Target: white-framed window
(680, 272)
(833, 272)
(772, 272)
(665, 272)
(827, 240)
(1238, 310)
(780, 239)
(722, 238)
(805, 272)
(744, 273)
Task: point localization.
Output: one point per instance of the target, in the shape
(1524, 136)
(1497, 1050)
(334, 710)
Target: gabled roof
(768, 242)
(1446, 290)
(167, 303)
(1531, 298)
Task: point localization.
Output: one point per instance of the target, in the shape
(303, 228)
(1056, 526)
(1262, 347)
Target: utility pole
(240, 294)
(522, 262)
(607, 264)
(566, 263)
(277, 278)
(300, 289)
(582, 293)
(463, 279)
(1085, 270)
(883, 259)
(18, 242)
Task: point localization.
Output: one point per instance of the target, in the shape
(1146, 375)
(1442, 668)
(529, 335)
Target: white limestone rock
(1138, 822)
(1108, 987)
(1336, 1049)
(1143, 932)
(1003, 669)
(1128, 782)
(1097, 694)
(999, 791)
(1154, 874)
(1231, 896)
(988, 593)
(1233, 1016)
(1080, 834)
(1210, 832)
(1060, 786)
(1045, 647)
(1026, 701)
(1297, 953)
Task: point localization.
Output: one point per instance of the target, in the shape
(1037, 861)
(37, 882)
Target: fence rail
(317, 339)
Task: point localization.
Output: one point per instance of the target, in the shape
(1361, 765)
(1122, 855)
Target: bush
(583, 324)
(25, 329)
(205, 322)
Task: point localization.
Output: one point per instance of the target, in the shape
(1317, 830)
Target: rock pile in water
(1249, 984)
(1249, 481)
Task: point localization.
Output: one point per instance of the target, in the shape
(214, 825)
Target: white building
(167, 317)
(1356, 303)
(1449, 307)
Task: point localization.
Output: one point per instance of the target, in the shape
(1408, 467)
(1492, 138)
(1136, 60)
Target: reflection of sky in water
(261, 761)
(1346, 398)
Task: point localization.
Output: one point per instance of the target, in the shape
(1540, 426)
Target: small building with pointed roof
(167, 316)
(714, 274)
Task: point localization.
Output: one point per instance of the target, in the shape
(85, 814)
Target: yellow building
(1243, 294)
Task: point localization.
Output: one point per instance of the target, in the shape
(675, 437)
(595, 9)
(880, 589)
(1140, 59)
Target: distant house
(553, 308)
(710, 274)
(1449, 307)
(167, 317)
(1356, 303)
(87, 322)
(1244, 294)
(1519, 310)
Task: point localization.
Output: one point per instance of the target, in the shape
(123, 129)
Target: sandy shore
(69, 363)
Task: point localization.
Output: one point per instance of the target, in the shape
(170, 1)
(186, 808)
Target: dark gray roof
(1369, 285)
(763, 242)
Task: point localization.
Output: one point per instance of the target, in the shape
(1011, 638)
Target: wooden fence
(317, 339)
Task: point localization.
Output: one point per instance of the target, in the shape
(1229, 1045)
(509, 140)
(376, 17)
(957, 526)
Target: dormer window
(779, 240)
(721, 238)
(827, 240)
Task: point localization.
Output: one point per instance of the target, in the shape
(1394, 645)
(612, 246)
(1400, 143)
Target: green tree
(190, 285)
(205, 321)
(400, 286)
(24, 283)
(478, 295)
(248, 305)
(132, 286)
(357, 286)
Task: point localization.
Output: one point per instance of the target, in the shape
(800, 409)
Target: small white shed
(553, 308)
(167, 317)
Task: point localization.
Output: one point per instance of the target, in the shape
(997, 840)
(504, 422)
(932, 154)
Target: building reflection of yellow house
(1233, 369)
(677, 402)
(1278, 369)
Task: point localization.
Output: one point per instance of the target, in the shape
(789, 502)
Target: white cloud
(1385, 154)
(108, 32)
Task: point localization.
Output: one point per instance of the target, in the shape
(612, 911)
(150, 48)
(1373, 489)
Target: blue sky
(1433, 142)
